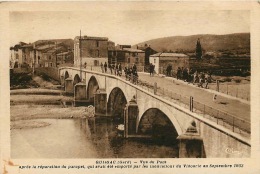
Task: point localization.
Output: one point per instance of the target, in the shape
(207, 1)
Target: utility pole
(80, 58)
(34, 56)
(56, 54)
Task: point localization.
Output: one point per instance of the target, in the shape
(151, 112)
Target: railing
(238, 91)
(225, 119)
(100, 69)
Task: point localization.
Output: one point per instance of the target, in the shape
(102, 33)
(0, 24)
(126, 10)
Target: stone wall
(49, 71)
(218, 144)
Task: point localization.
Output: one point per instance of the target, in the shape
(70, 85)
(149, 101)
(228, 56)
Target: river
(84, 138)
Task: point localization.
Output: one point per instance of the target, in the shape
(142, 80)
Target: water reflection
(84, 138)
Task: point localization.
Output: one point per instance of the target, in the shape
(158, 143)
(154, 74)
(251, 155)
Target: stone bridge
(146, 114)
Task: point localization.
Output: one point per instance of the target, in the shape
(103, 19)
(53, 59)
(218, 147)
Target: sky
(124, 26)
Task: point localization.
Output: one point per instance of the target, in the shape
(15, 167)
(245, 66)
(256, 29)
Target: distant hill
(209, 42)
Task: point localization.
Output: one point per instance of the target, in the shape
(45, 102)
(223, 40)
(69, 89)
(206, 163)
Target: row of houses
(96, 50)
(42, 53)
(90, 51)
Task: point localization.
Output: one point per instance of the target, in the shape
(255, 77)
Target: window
(49, 57)
(154, 61)
(128, 60)
(39, 57)
(97, 43)
(136, 60)
(96, 62)
(50, 64)
(133, 54)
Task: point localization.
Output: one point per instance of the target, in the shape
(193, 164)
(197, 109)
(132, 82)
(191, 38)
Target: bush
(237, 80)
(227, 79)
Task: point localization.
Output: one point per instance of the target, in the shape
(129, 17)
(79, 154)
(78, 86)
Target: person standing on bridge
(178, 73)
(110, 67)
(102, 68)
(119, 69)
(151, 69)
(105, 66)
(115, 69)
(134, 67)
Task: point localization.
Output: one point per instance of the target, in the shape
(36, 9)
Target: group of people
(201, 78)
(131, 74)
(116, 69)
(189, 75)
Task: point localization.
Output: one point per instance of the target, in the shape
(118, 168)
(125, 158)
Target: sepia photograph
(120, 80)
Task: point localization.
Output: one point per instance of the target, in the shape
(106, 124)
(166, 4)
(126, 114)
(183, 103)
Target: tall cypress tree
(198, 50)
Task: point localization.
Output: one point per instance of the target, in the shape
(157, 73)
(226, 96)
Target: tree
(198, 50)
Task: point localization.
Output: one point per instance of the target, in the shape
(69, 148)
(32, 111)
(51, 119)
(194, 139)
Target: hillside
(209, 42)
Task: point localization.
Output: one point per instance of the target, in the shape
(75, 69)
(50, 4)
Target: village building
(162, 60)
(14, 57)
(134, 56)
(27, 55)
(41, 53)
(148, 52)
(91, 50)
(126, 56)
(65, 58)
(17, 55)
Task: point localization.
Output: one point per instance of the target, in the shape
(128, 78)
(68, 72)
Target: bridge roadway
(227, 104)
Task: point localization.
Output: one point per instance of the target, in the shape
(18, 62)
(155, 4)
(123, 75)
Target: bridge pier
(191, 144)
(69, 88)
(80, 94)
(131, 118)
(100, 102)
(62, 80)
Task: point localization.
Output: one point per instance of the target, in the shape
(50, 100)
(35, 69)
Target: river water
(84, 138)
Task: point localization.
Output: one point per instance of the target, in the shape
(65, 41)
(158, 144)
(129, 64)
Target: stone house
(148, 52)
(92, 50)
(162, 60)
(65, 58)
(17, 55)
(127, 56)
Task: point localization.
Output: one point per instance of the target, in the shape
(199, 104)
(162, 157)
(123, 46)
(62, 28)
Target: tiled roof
(53, 49)
(44, 47)
(27, 46)
(169, 55)
(133, 50)
(64, 53)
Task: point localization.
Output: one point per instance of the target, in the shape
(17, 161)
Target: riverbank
(21, 115)
(27, 112)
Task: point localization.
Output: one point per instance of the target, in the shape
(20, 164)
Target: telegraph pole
(56, 54)
(34, 57)
(80, 58)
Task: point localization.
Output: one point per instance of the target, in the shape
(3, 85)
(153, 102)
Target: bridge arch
(116, 103)
(76, 79)
(93, 86)
(156, 123)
